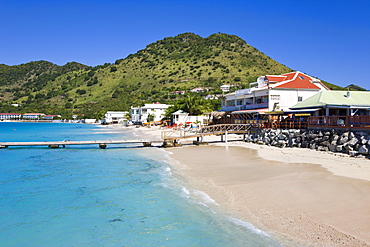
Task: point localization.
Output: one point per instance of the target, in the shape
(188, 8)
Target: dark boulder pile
(353, 143)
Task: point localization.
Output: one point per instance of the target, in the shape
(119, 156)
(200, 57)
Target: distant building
(182, 118)
(225, 88)
(212, 96)
(200, 89)
(140, 115)
(9, 116)
(51, 116)
(33, 116)
(178, 92)
(112, 117)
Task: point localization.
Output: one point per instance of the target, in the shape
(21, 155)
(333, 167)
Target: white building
(34, 116)
(112, 117)
(8, 116)
(181, 118)
(140, 114)
(273, 93)
(225, 88)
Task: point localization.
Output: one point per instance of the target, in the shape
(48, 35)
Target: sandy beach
(299, 196)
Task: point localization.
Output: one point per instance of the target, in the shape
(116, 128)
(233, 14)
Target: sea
(124, 195)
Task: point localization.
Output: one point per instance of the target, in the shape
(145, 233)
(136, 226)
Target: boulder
(363, 150)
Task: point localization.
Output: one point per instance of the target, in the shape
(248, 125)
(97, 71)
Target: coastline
(299, 196)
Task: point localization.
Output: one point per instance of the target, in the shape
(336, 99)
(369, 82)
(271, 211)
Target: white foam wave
(248, 226)
(204, 197)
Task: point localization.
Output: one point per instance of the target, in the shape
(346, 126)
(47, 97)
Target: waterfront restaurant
(338, 109)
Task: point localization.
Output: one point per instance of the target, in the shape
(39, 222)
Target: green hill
(173, 64)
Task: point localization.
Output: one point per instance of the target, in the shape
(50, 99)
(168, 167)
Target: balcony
(245, 107)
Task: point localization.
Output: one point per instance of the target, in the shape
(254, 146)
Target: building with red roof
(272, 93)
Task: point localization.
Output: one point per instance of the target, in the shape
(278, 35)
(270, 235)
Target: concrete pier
(58, 144)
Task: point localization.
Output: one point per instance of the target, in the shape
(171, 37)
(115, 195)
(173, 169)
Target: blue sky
(328, 39)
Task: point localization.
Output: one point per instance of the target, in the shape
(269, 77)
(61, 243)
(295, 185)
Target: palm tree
(194, 105)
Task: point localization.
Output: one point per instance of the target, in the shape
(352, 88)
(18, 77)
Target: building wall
(287, 98)
(140, 114)
(10, 116)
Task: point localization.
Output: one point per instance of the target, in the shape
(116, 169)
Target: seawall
(353, 143)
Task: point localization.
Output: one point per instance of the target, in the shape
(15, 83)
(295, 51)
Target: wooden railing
(206, 130)
(221, 128)
(355, 122)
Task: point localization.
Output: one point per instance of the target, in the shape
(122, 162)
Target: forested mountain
(173, 64)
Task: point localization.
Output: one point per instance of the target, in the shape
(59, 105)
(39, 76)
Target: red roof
(10, 114)
(276, 78)
(297, 80)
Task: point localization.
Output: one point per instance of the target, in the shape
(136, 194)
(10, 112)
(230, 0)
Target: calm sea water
(125, 195)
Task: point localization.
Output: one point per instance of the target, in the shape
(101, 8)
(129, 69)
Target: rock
(353, 141)
(343, 140)
(363, 150)
(325, 143)
(333, 147)
(351, 135)
(339, 148)
(282, 143)
(282, 137)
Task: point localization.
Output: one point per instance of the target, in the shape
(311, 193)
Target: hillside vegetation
(173, 64)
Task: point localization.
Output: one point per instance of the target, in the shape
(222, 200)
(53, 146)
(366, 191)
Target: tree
(194, 105)
(113, 69)
(150, 118)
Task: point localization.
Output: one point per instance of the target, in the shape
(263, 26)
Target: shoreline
(298, 196)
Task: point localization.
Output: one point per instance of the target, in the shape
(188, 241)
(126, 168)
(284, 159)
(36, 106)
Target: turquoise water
(124, 195)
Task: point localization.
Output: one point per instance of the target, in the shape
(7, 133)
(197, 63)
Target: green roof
(335, 98)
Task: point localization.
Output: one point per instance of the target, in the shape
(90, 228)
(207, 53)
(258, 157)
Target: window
(300, 98)
(275, 97)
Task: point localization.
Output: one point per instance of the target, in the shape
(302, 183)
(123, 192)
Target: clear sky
(328, 39)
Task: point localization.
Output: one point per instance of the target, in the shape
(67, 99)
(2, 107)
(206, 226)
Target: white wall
(288, 98)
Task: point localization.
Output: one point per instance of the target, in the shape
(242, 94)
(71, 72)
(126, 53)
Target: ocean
(125, 195)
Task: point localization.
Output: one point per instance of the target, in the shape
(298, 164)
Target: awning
(259, 111)
(275, 112)
(301, 111)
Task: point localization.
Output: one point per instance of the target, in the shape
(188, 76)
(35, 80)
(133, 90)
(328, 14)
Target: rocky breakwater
(353, 143)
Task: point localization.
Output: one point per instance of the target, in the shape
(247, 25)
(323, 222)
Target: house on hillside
(140, 115)
(225, 88)
(200, 89)
(271, 93)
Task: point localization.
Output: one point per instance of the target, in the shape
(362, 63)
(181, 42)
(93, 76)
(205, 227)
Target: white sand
(299, 195)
